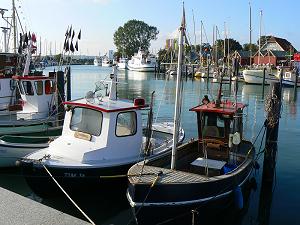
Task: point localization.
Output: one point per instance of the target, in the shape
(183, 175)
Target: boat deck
(150, 174)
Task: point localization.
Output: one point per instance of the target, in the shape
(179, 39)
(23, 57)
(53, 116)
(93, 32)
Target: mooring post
(263, 83)
(273, 108)
(296, 82)
(68, 76)
(60, 95)
(193, 71)
(207, 78)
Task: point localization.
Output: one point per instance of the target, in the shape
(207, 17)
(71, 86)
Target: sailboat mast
(250, 33)
(14, 25)
(259, 40)
(178, 92)
(201, 64)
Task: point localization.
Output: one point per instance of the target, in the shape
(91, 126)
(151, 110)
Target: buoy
(238, 197)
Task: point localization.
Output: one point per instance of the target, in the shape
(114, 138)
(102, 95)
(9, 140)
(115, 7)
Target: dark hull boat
(168, 193)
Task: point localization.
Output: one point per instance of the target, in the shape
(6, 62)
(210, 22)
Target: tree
(263, 40)
(254, 47)
(233, 46)
(133, 35)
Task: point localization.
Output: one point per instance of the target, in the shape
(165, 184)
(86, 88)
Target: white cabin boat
(106, 62)
(142, 62)
(122, 64)
(255, 76)
(101, 137)
(97, 61)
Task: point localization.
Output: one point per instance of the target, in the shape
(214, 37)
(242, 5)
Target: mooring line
(86, 216)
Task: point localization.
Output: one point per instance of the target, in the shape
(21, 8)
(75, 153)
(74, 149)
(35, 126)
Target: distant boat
(106, 62)
(288, 76)
(97, 61)
(142, 62)
(122, 64)
(255, 76)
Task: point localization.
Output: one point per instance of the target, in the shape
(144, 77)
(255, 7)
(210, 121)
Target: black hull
(169, 201)
(74, 180)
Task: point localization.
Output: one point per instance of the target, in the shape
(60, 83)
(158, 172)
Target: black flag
(67, 32)
(73, 34)
(72, 47)
(70, 31)
(29, 36)
(67, 46)
(76, 46)
(79, 35)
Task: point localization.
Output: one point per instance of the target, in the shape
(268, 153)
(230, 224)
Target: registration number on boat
(74, 174)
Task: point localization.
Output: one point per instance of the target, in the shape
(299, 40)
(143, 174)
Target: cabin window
(86, 120)
(49, 87)
(28, 89)
(38, 87)
(214, 126)
(126, 124)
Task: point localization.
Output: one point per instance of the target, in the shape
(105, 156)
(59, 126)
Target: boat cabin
(101, 130)
(37, 96)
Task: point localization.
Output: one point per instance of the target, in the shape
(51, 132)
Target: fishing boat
(142, 62)
(122, 64)
(256, 76)
(36, 111)
(97, 61)
(13, 148)
(201, 172)
(288, 76)
(101, 138)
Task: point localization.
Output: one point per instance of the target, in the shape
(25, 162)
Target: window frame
(36, 87)
(116, 124)
(83, 131)
(26, 90)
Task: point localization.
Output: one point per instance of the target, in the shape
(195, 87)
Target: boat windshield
(214, 126)
(86, 120)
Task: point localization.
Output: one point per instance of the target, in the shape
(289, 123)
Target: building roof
(283, 43)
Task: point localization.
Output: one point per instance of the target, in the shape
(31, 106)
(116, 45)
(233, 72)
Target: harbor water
(279, 206)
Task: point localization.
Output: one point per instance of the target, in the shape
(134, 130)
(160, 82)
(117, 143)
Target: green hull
(31, 130)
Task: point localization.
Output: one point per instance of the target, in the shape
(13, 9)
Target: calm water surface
(279, 206)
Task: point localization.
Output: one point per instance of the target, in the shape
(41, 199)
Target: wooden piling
(68, 76)
(60, 96)
(273, 108)
(263, 83)
(296, 81)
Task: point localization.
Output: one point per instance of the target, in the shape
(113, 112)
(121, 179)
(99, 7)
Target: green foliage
(133, 35)
(254, 47)
(233, 46)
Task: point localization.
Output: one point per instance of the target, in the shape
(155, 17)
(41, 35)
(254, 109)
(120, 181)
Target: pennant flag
(79, 35)
(20, 39)
(67, 32)
(33, 37)
(70, 31)
(72, 47)
(183, 17)
(73, 34)
(29, 36)
(76, 46)
(67, 46)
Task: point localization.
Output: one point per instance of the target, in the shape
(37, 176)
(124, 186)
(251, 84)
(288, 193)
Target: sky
(99, 19)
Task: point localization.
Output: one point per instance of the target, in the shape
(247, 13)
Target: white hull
(256, 77)
(97, 64)
(122, 66)
(141, 68)
(106, 65)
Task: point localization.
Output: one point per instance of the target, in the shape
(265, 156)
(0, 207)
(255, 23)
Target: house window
(38, 87)
(86, 120)
(28, 89)
(126, 124)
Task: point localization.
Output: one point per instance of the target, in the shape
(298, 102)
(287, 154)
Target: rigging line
(83, 213)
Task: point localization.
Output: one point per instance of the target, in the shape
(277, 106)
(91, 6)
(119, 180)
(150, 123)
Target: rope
(68, 195)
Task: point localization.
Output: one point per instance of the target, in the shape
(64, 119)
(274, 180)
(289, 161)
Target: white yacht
(97, 61)
(122, 64)
(255, 76)
(106, 62)
(142, 62)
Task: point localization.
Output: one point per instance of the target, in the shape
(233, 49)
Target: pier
(16, 209)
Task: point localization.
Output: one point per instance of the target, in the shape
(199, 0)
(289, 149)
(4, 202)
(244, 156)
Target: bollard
(60, 96)
(263, 83)
(68, 77)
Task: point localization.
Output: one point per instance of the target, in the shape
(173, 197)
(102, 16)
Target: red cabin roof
(227, 108)
(31, 77)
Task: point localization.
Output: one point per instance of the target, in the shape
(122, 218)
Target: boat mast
(178, 91)
(14, 25)
(250, 33)
(259, 41)
(201, 64)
